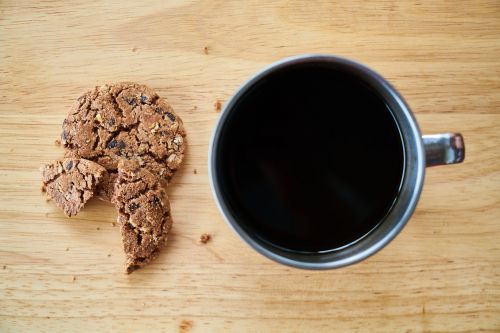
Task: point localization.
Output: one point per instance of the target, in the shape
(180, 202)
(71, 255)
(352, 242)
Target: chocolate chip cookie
(143, 213)
(71, 182)
(125, 121)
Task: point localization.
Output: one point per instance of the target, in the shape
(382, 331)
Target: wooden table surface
(442, 273)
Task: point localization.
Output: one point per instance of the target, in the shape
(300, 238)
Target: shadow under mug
(420, 151)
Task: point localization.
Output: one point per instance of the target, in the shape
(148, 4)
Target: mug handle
(445, 148)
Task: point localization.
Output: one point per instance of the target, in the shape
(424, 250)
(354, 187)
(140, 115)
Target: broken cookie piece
(71, 182)
(125, 120)
(143, 213)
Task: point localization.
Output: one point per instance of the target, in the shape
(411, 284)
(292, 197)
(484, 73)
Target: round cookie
(124, 121)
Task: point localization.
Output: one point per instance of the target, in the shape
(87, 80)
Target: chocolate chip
(64, 136)
(69, 165)
(156, 201)
(163, 133)
(130, 101)
(112, 144)
(170, 116)
(111, 121)
(159, 110)
(144, 99)
(121, 144)
(133, 206)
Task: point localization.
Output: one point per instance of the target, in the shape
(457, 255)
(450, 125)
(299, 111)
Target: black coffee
(310, 159)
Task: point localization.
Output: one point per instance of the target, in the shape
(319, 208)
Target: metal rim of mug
(389, 228)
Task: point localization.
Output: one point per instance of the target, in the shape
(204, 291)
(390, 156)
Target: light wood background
(441, 274)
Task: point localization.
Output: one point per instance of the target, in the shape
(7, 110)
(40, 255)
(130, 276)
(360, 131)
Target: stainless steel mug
(420, 152)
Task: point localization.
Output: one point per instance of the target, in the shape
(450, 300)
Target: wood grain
(441, 274)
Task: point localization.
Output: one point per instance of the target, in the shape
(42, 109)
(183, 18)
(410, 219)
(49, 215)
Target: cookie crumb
(185, 325)
(109, 255)
(134, 49)
(74, 278)
(204, 238)
(97, 228)
(57, 142)
(113, 224)
(4, 267)
(67, 249)
(218, 105)
(195, 172)
(195, 107)
(205, 50)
